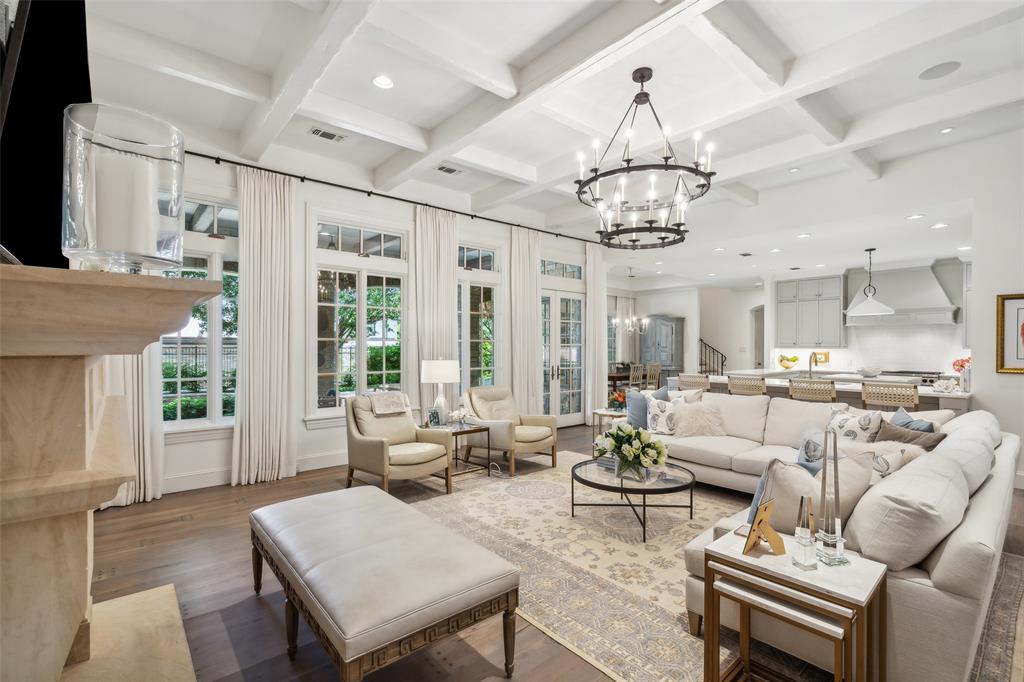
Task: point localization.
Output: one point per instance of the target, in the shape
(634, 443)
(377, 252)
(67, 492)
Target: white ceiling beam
(864, 163)
(487, 161)
(933, 23)
(815, 118)
(611, 36)
(299, 72)
(742, 194)
(1003, 89)
(354, 118)
(742, 45)
(441, 47)
(159, 55)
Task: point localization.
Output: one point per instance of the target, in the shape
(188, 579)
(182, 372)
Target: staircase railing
(712, 360)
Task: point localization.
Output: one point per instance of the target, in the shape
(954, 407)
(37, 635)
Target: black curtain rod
(370, 193)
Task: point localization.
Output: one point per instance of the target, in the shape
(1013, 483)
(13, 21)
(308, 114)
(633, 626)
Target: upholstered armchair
(392, 446)
(511, 432)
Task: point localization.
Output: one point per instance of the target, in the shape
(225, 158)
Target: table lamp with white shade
(440, 372)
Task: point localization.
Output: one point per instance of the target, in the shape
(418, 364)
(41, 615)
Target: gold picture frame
(1010, 338)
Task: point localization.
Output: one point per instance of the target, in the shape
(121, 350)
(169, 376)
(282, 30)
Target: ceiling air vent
(326, 134)
(448, 170)
(746, 254)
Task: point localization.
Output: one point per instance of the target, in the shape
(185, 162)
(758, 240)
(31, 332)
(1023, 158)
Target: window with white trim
(199, 361)
(476, 258)
(556, 269)
(475, 314)
(358, 334)
(364, 242)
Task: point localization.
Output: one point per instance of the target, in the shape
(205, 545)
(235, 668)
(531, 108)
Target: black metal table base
(467, 466)
(641, 516)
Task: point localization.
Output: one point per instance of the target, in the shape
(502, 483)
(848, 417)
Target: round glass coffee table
(600, 474)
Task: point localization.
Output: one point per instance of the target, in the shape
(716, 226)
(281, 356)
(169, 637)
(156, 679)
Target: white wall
(725, 322)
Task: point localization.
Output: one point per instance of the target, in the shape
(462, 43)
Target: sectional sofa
(938, 603)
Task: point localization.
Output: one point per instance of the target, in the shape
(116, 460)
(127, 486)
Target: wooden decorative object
(761, 531)
(64, 443)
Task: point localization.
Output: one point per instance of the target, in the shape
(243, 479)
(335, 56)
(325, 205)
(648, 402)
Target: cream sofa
(937, 606)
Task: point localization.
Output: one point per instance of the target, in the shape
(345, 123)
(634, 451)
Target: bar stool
(889, 395)
(813, 390)
(747, 386)
(691, 381)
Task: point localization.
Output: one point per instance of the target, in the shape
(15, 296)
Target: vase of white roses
(634, 450)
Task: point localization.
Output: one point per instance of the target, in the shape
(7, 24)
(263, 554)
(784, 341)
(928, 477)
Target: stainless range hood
(915, 296)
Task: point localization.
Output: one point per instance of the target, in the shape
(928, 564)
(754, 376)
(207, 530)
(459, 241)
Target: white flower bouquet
(634, 450)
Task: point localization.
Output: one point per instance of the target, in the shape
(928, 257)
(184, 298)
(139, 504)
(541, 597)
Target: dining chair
(889, 395)
(691, 381)
(747, 386)
(654, 375)
(813, 390)
(636, 376)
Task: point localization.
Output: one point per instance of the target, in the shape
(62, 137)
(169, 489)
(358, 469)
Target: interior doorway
(757, 336)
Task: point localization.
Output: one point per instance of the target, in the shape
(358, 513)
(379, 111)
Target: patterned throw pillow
(859, 427)
(661, 415)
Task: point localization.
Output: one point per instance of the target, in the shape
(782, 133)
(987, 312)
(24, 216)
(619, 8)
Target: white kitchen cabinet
(786, 323)
(809, 313)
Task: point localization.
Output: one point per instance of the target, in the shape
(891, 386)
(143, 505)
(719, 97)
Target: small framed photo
(1010, 333)
(433, 417)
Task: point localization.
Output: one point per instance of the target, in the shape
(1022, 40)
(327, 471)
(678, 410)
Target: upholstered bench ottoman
(375, 579)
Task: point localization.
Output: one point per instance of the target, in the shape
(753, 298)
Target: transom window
(474, 258)
(358, 334)
(556, 269)
(335, 237)
(211, 219)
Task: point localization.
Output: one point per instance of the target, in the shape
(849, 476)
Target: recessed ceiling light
(658, 272)
(718, 249)
(711, 274)
(383, 82)
(963, 248)
(946, 131)
(939, 226)
(938, 71)
(757, 284)
(657, 262)
(794, 170)
(820, 265)
(804, 235)
(775, 251)
(754, 265)
(915, 216)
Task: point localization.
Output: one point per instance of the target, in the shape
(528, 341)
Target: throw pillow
(661, 415)
(928, 441)
(890, 456)
(863, 427)
(902, 418)
(698, 419)
(787, 483)
(636, 406)
(690, 395)
(972, 451)
(811, 449)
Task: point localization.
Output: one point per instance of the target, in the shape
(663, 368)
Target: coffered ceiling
(508, 92)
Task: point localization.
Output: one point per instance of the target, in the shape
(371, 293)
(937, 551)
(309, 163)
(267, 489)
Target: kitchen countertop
(845, 381)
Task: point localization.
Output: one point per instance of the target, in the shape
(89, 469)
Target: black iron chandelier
(647, 212)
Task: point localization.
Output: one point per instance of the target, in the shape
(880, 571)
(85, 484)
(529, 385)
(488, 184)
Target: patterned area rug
(592, 585)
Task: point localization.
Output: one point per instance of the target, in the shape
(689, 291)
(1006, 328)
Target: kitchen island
(848, 386)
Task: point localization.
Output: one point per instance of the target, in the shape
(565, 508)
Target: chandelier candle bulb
(579, 157)
(710, 147)
(696, 145)
(597, 146)
(629, 134)
(664, 148)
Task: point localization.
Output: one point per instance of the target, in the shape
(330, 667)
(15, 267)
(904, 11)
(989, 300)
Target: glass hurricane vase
(633, 471)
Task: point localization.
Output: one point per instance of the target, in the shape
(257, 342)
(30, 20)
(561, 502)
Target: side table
(457, 430)
(840, 603)
(601, 415)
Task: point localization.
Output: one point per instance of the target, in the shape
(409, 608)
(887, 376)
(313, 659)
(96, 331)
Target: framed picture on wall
(1010, 333)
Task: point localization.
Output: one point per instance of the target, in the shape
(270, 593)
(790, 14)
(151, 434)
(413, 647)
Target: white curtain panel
(263, 446)
(596, 377)
(527, 360)
(434, 264)
(137, 378)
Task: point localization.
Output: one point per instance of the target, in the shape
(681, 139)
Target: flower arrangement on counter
(963, 368)
(634, 450)
(617, 400)
(960, 365)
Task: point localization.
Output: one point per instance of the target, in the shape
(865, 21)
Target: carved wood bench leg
(257, 570)
(291, 624)
(350, 671)
(695, 622)
(508, 621)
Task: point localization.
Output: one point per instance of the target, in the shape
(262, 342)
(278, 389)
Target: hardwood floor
(199, 540)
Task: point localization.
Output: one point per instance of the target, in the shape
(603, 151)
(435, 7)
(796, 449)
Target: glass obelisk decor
(830, 526)
(123, 205)
(805, 554)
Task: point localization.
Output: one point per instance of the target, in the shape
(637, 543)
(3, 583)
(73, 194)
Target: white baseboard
(1019, 481)
(321, 460)
(176, 483)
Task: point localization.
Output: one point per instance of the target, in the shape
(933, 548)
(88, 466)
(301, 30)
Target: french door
(563, 339)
